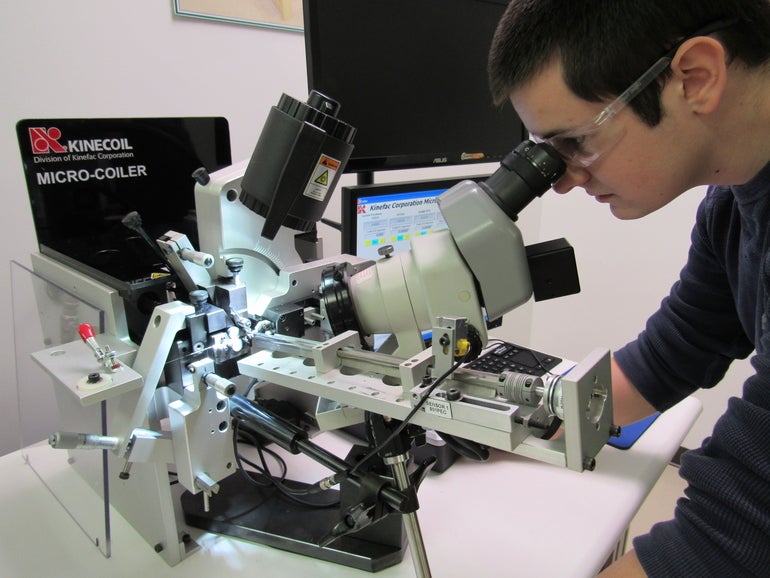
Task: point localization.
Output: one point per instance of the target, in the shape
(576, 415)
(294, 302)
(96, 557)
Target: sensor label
(439, 407)
(323, 176)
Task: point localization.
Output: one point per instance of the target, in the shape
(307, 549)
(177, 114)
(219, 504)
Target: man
(646, 99)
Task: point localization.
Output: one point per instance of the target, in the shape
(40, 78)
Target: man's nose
(574, 177)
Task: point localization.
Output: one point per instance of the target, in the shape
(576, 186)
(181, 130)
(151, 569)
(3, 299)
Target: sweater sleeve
(695, 335)
(722, 526)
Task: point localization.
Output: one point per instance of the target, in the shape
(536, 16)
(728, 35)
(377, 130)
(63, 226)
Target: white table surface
(510, 516)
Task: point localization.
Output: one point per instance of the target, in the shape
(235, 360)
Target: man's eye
(572, 145)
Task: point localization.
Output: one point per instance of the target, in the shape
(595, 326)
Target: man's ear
(700, 69)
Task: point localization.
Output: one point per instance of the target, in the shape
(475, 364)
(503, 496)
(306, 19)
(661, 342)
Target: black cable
(239, 461)
(251, 437)
(261, 450)
(293, 494)
(250, 387)
(540, 363)
(409, 416)
(269, 478)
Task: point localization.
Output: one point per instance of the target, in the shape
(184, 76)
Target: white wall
(96, 58)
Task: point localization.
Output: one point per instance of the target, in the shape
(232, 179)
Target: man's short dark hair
(604, 45)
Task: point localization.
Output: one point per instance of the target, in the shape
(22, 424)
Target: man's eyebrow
(553, 133)
(549, 134)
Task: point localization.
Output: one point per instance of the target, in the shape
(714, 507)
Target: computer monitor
(410, 76)
(382, 214)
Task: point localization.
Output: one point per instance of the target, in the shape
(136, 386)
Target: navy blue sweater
(716, 312)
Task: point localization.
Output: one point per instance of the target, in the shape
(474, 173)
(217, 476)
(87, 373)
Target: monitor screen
(410, 76)
(378, 215)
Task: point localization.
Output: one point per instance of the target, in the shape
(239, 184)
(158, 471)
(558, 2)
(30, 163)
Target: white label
(439, 407)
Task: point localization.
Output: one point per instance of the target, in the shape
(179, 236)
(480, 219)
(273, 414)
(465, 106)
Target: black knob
(201, 175)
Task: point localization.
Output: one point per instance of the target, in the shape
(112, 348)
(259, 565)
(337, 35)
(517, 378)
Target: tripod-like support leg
(411, 523)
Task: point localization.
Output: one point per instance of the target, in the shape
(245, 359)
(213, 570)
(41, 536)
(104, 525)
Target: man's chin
(627, 213)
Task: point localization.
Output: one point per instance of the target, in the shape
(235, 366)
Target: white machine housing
(474, 271)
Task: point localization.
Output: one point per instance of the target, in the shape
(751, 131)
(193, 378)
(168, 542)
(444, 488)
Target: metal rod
(370, 361)
(411, 523)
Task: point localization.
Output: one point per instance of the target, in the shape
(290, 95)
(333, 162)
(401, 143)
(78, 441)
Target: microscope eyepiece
(524, 174)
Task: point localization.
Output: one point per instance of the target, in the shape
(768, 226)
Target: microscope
(259, 321)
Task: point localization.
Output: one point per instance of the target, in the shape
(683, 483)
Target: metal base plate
(262, 515)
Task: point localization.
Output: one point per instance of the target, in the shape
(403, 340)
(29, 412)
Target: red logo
(361, 210)
(46, 140)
